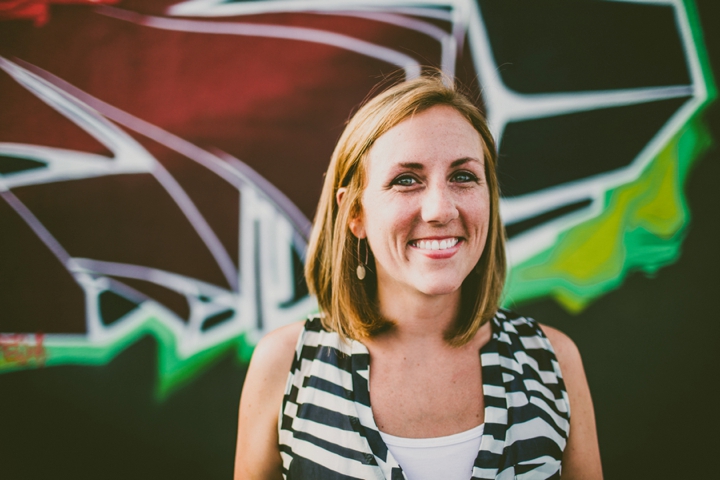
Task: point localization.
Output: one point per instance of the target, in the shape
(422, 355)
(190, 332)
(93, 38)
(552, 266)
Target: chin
(439, 288)
(439, 282)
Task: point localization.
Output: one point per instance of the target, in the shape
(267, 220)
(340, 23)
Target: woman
(407, 262)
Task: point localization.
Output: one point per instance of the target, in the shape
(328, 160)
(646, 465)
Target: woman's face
(426, 205)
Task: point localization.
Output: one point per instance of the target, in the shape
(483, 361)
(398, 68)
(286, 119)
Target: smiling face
(426, 205)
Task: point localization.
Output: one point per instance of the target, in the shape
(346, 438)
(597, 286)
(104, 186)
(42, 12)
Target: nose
(438, 205)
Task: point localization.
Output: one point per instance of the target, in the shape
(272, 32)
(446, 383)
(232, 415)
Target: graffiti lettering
(21, 349)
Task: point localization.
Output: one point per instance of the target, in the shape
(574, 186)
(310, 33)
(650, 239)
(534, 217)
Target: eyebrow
(456, 163)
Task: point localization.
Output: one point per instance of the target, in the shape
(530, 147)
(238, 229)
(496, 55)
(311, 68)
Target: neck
(419, 317)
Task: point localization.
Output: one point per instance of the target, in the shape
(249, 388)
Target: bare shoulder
(276, 349)
(271, 363)
(581, 458)
(565, 349)
(257, 454)
(568, 356)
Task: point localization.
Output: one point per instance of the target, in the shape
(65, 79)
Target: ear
(340, 194)
(356, 224)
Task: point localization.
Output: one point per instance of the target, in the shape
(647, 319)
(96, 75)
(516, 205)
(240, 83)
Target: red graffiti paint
(22, 349)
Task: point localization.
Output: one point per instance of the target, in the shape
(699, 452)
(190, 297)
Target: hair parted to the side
(348, 304)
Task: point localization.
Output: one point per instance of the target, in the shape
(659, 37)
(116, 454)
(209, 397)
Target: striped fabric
(327, 430)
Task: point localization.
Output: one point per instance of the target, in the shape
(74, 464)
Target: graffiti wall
(160, 162)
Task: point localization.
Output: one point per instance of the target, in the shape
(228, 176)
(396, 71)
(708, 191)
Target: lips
(435, 243)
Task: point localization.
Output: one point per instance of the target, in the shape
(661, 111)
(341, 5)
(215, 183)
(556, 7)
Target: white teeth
(436, 245)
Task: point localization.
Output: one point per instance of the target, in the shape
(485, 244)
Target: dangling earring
(361, 266)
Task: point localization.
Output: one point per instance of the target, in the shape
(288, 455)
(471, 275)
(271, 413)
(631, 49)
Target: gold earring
(361, 266)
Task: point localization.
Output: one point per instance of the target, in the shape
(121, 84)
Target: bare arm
(257, 456)
(581, 459)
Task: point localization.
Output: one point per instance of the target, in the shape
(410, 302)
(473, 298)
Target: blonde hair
(348, 304)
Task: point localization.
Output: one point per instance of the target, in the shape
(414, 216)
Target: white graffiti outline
(503, 106)
(264, 209)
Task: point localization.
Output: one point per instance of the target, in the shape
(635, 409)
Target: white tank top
(451, 457)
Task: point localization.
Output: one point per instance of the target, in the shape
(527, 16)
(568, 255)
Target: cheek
(478, 209)
(387, 221)
(479, 218)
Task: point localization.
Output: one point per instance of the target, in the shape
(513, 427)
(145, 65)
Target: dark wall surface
(650, 353)
(650, 347)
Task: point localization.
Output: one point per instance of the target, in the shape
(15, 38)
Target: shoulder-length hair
(347, 304)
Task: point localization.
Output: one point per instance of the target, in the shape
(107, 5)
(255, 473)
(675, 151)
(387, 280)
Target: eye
(464, 177)
(405, 181)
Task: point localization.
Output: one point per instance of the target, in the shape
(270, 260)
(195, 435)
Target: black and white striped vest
(327, 431)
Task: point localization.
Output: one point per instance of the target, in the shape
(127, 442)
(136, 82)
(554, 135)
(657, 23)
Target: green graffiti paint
(174, 370)
(641, 227)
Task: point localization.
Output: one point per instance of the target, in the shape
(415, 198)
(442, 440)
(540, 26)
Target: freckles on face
(425, 208)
